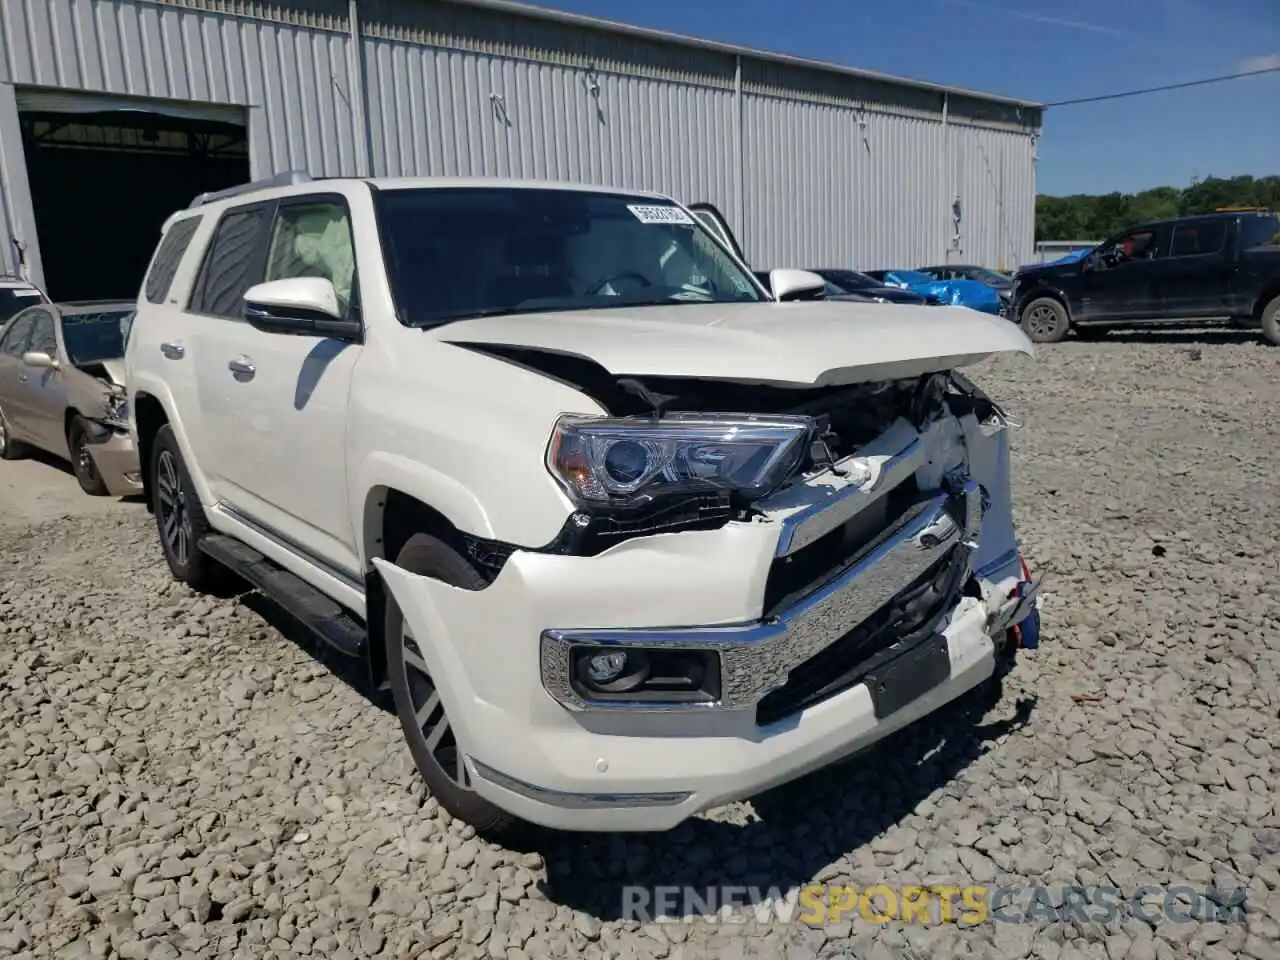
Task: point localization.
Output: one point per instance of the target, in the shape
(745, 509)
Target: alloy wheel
(1042, 321)
(171, 497)
(429, 716)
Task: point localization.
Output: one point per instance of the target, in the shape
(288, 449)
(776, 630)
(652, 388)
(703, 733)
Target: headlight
(118, 410)
(625, 461)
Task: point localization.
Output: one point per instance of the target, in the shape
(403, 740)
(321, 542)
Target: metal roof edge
(665, 36)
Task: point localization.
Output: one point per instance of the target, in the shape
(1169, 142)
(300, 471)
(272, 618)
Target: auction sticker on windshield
(653, 213)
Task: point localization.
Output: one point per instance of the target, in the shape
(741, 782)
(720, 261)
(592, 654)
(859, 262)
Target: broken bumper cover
(116, 459)
(541, 750)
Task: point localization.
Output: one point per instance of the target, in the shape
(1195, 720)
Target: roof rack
(287, 179)
(1241, 210)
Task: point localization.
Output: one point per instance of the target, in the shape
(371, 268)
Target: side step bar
(330, 622)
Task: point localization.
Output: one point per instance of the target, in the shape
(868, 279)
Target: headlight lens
(118, 409)
(603, 461)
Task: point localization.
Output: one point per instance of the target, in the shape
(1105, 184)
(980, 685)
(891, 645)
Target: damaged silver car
(62, 390)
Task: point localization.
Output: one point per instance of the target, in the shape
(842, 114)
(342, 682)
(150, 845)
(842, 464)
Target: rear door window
(16, 337)
(232, 264)
(1197, 239)
(164, 266)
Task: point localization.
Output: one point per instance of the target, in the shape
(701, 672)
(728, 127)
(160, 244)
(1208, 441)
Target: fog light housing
(611, 675)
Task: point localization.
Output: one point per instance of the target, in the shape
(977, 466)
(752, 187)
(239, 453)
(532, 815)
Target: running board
(319, 613)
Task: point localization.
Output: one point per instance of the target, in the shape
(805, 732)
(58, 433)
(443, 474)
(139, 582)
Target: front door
(45, 389)
(1118, 280)
(277, 403)
(14, 373)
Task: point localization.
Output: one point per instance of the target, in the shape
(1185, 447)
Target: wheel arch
(1269, 293)
(149, 416)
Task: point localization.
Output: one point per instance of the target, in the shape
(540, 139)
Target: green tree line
(1088, 217)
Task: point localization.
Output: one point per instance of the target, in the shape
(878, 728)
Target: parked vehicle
(853, 282)
(1001, 283)
(626, 537)
(1216, 266)
(954, 293)
(62, 391)
(1071, 257)
(18, 294)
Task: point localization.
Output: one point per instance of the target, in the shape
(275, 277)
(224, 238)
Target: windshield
(13, 299)
(93, 337)
(988, 276)
(910, 276)
(454, 253)
(850, 279)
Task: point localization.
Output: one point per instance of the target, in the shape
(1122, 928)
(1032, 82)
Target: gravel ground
(182, 779)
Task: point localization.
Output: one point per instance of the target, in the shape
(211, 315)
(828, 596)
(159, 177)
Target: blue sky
(1043, 50)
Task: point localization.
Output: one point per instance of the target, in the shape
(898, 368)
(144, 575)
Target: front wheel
(1045, 320)
(422, 715)
(86, 470)
(1271, 321)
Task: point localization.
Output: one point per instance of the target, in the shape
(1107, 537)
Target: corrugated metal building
(114, 112)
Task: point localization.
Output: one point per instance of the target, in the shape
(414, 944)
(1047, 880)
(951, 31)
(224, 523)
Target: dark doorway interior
(103, 183)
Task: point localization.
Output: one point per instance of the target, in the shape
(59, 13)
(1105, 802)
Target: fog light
(605, 667)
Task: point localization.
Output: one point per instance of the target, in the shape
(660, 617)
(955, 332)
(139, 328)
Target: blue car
(955, 293)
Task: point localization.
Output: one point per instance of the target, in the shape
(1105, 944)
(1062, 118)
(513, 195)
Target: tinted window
(1139, 245)
(12, 300)
(1259, 232)
(1191, 239)
(228, 269)
(455, 253)
(168, 255)
(15, 338)
(43, 338)
(91, 337)
(313, 240)
(850, 279)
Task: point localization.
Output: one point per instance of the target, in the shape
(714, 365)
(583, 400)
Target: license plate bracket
(908, 676)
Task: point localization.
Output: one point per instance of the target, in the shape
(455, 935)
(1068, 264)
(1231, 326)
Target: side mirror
(305, 306)
(796, 284)
(39, 360)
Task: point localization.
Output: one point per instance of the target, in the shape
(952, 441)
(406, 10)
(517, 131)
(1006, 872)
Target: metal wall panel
(299, 78)
(994, 174)
(444, 112)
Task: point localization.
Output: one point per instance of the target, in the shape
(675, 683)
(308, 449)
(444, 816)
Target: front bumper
(116, 458)
(539, 750)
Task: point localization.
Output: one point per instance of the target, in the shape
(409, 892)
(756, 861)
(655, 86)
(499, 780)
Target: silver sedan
(62, 391)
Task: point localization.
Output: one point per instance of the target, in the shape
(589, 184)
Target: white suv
(627, 537)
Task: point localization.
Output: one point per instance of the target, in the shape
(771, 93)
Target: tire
(412, 689)
(1271, 321)
(174, 500)
(86, 470)
(1045, 320)
(10, 449)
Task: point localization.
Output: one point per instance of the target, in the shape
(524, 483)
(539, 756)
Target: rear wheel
(1271, 321)
(10, 449)
(1045, 320)
(86, 470)
(179, 516)
(422, 715)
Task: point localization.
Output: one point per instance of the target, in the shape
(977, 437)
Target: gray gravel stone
(182, 781)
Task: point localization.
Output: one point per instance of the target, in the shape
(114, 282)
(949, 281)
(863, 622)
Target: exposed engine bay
(845, 418)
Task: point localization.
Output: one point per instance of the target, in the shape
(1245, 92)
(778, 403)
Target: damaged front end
(104, 405)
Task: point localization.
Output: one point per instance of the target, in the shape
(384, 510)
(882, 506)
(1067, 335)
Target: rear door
(1194, 280)
(13, 344)
(45, 400)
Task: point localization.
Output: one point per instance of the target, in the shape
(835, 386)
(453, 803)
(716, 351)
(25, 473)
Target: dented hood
(115, 370)
(812, 343)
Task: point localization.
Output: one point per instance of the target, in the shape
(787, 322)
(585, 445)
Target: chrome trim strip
(280, 540)
(991, 566)
(757, 657)
(577, 801)
(793, 524)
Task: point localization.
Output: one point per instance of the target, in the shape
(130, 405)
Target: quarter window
(16, 337)
(228, 269)
(168, 255)
(313, 240)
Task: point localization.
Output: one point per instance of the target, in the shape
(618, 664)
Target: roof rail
(287, 179)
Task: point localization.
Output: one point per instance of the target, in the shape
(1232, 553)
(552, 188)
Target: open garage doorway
(104, 181)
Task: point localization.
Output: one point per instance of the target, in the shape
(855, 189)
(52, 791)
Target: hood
(813, 343)
(114, 370)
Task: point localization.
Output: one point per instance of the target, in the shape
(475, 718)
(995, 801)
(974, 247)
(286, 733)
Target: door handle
(173, 350)
(243, 368)
(23, 378)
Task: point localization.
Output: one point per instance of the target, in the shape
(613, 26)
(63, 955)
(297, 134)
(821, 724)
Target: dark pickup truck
(1217, 266)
